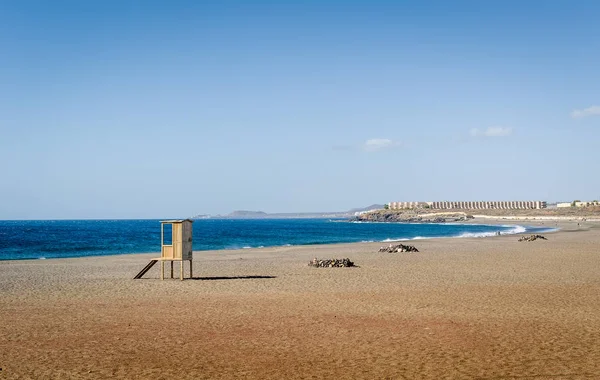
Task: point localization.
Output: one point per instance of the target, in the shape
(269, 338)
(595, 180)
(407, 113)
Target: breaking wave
(412, 238)
(514, 230)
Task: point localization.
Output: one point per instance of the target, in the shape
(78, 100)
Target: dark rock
(398, 248)
(411, 216)
(330, 263)
(532, 238)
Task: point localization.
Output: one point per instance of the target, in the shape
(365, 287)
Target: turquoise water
(46, 239)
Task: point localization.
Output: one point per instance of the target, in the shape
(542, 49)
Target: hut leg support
(171, 269)
(162, 270)
(181, 271)
(191, 276)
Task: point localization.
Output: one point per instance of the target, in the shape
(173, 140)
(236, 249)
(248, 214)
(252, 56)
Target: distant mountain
(247, 214)
(244, 214)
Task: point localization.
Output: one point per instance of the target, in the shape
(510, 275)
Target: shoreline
(251, 253)
(562, 228)
(488, 222)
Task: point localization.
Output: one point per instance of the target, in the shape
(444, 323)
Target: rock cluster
(330, 263)
(411, 216)
(532, 238)
(398, 248)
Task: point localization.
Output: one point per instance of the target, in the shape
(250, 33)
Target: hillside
(413, 216)
(457, 215)
(242, 214)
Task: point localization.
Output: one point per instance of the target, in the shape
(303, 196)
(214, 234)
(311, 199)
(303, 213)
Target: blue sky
(117, 109)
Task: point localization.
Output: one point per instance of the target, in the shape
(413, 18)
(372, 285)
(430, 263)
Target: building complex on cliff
(470, 205)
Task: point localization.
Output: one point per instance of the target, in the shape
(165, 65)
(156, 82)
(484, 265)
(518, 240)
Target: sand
(487, 308)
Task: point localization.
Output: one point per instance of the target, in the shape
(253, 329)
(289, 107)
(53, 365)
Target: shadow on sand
(229, 278)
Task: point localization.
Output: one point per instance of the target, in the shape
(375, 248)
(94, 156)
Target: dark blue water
(39, 239)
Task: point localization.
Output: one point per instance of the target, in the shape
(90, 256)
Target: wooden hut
(176, 245)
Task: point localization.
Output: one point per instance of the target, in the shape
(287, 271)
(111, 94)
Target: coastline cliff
(412, 216)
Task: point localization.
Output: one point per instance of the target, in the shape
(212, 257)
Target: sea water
(46, 239)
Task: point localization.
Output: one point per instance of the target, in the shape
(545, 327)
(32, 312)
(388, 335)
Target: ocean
(48, 239)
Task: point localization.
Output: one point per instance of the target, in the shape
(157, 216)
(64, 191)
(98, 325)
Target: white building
(470, 205)
(406, 205)
(578, 204)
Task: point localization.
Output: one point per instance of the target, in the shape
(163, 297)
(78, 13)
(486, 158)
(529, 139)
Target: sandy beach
(486, 308)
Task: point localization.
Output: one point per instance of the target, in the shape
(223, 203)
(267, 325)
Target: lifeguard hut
(176, 245)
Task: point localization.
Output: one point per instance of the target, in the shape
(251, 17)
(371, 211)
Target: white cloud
(492, 132)
(590, 111)
(375, 145)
